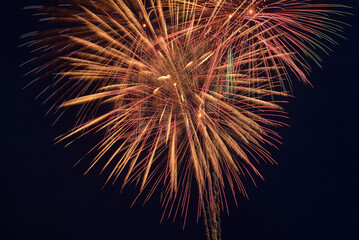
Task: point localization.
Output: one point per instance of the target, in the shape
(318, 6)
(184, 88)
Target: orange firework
(185, 91)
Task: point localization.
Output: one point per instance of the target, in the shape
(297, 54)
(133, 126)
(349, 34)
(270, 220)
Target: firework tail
(211, 212)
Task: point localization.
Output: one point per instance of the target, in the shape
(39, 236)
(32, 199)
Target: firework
(184, 91)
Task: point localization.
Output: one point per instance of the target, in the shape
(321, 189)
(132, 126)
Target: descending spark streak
(190, 85)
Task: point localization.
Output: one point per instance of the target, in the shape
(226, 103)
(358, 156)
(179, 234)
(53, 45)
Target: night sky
(311, 194)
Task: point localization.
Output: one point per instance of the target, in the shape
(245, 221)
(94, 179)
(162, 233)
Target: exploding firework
(184, 91)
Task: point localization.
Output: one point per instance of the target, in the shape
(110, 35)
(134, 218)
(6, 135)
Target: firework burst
(185, 91)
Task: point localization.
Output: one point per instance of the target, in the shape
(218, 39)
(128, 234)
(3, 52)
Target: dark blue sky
(311, 194)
